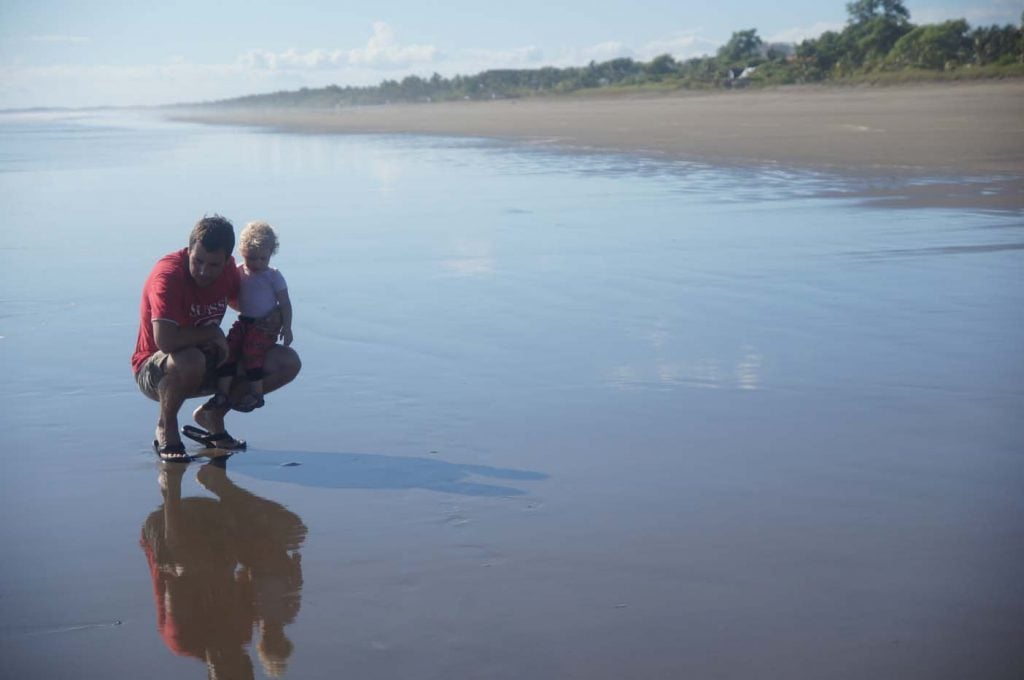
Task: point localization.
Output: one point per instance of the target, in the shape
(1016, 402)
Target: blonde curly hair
(257, 235)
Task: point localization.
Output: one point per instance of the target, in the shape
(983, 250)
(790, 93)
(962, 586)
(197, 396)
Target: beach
(940, 130)
(571, 406)
(959, 127)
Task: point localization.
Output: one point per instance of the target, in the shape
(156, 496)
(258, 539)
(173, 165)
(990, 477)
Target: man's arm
(170, 338)
(284, 303)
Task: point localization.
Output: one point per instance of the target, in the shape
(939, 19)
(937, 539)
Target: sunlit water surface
(560, 416)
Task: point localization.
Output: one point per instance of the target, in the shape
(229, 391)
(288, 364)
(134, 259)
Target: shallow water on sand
(560, 416)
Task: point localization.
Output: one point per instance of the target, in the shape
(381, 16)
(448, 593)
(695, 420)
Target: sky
(140, 52)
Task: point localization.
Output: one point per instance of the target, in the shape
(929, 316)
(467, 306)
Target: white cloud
(683, 46)
(258, 60)
(801, 33)
(680, 45)
(61, 39)
(383, 50)
(297, 60)
(316, 59)
(601, 52)
(470, 61)
(481, 60)
(99, 85)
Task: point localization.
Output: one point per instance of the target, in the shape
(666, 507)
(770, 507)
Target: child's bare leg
(248, 394)
(280, 367)
(254, 350)
(220, 400)
(224, 384)
(254, 399)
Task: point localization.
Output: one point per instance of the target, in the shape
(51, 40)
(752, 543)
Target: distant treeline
(878, 43)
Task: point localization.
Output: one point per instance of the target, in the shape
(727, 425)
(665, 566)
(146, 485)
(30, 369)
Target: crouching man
(181, 344)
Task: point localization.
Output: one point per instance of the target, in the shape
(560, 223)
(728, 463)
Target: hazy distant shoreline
(927, 129)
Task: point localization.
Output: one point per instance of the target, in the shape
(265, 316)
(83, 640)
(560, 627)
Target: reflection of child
(263, 293)
(277, 585)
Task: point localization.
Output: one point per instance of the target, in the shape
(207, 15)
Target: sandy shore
(974, 128)
(553, 424)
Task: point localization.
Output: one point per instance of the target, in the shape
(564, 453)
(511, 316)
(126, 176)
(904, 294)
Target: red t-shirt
(171, 294)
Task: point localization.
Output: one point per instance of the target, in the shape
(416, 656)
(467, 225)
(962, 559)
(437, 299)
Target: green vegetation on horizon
(878, 44)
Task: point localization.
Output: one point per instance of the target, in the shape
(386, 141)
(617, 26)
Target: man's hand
(216, 348)
(170, 338)
(286, 336)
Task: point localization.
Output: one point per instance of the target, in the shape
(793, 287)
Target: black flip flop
(213, 441)
(171, 453)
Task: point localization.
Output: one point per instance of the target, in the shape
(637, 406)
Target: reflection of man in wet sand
(180, 343)
(267, 539)
(221, 566)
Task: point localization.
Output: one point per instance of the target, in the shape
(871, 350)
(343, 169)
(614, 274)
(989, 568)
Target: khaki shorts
(152, 372)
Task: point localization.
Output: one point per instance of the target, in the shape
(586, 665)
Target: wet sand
(559, 417)
(927, 129)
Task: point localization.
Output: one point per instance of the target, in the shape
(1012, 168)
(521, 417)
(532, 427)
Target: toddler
(262, 297)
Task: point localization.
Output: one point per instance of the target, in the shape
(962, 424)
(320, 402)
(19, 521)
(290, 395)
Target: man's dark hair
(215, 233)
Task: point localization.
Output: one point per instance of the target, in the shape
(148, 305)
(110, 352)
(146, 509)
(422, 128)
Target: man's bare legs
(170, 488)
(183, 376)
(280, 366)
